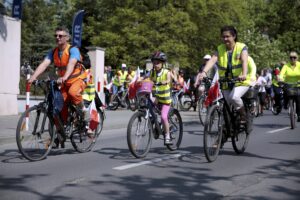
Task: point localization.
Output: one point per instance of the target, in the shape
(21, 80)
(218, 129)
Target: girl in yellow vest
(162, 91)
(232, 60)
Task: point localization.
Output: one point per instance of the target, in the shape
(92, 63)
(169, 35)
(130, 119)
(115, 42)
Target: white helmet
(207, 57)
(123, 65)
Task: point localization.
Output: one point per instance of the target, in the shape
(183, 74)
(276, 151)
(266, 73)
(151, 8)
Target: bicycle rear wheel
(84, 140)
(186, 102)
(292, 113)
(34, 134)
(176, 129)
(139, 135)
(212, 138)
(202, 110)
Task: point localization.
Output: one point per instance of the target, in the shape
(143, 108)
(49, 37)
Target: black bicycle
(292, 91)
(37, 127)
(145, 124)
(223, 122)
(121, 99)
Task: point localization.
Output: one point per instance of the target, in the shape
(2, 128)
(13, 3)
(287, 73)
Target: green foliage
(130, 30)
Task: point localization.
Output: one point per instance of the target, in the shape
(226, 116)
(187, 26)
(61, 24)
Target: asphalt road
(269, 169)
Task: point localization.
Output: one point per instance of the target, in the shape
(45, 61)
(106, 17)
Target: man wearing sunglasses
(71, 73)
(290, 74)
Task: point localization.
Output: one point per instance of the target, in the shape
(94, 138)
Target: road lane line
(278, 130)
(156, 160)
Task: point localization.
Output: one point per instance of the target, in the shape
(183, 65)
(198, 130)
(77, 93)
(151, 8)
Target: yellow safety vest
(236, 62)
(89, 92)
(290, 75)
(251, 73)
(162, 92)
(122, 78)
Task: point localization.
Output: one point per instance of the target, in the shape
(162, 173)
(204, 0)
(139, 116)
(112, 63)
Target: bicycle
(222, 122)
(276, 109)
(36, 129)
(144, 125)
(292, 91)
(121, 99)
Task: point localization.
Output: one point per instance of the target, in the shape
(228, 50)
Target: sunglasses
(60, 36)
(293, 57)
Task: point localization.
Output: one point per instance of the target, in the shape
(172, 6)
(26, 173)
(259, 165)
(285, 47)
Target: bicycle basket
(251, 93)
(291, 91)
(144, 87)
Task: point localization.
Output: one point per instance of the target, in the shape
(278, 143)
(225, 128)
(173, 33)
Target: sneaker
(110, 104)
(168, 141)
(55, 143)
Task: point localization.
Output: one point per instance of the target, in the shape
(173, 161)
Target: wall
(97, 61)
(10, 48)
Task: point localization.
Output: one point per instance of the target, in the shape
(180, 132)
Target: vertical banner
(17, 9)
(77, 28)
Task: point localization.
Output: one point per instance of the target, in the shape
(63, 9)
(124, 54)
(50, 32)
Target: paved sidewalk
(114, 120)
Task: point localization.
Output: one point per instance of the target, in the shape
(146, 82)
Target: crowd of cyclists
(231, 62)
(267, 81)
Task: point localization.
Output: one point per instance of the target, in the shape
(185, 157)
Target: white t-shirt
(261, 82)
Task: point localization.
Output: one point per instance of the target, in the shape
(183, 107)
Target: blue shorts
(115, 89)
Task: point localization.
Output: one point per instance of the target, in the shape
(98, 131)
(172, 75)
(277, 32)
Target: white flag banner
(136, 76)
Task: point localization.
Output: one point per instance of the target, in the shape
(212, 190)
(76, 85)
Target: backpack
(86, 61)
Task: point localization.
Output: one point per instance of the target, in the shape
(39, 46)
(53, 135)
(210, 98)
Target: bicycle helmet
(158, 55)
(181, 71)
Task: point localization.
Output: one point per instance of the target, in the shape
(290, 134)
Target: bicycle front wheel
(34, 134)
(212, 138)
(240, 140)
(292, 113)
(176, 129)
(139, 135)
(83, 141)
(202, 111)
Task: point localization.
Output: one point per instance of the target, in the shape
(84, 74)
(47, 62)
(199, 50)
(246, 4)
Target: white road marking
(278, 130)
(156, 160)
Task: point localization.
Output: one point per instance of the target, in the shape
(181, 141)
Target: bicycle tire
(211, 149)
(292, 114)
(185, 102)
(84, 141)
(139, 129)
(115, 104)
(240, 141)
(202, 110)
(176, 129)
(36, 142)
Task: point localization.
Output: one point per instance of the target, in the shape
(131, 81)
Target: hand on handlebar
(242, 77)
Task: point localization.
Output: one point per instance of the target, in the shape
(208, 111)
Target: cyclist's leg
(164, 120)
(262, 98)
(114, 93)
(236, 99)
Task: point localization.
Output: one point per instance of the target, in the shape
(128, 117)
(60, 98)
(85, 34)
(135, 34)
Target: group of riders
(230, 60)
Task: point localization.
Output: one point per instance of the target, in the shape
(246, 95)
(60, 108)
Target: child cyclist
(162, 90)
